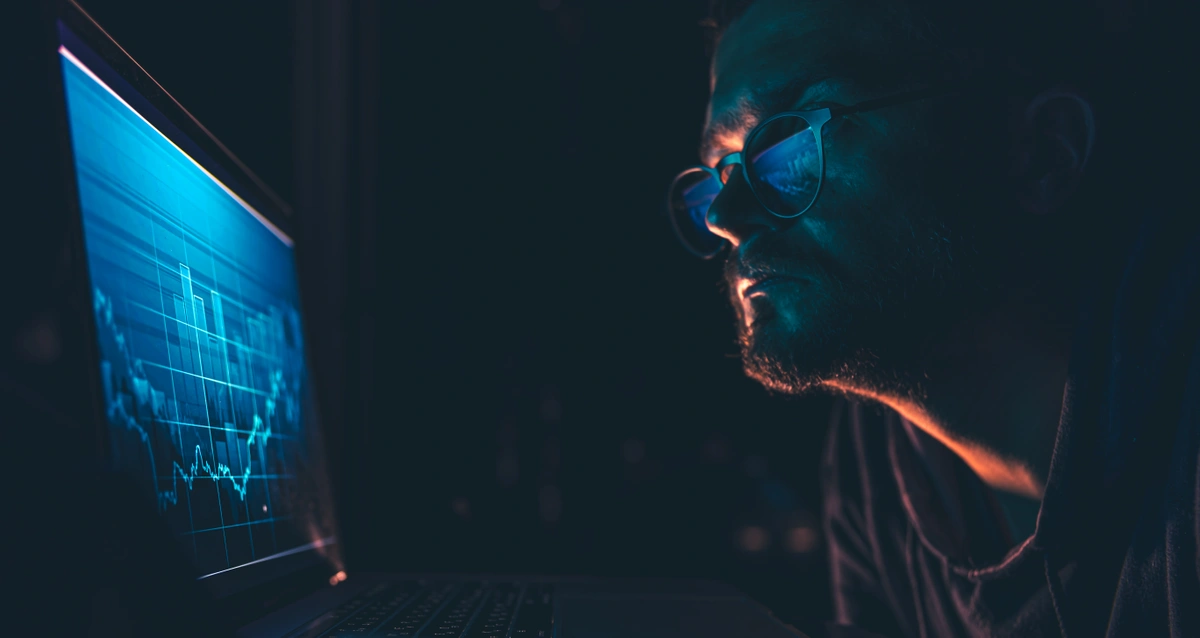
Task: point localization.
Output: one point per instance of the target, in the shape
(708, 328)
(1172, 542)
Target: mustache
(766, 255)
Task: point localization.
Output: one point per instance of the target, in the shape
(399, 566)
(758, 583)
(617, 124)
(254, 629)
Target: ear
(1054, 138)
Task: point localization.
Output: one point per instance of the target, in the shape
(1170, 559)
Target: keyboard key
(535, 616)
(411, 619)
(322, 623)
(441, 610)
(495, 618)
(453, 618)
(377, 611)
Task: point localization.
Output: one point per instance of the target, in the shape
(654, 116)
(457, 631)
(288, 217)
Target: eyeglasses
(783, 161)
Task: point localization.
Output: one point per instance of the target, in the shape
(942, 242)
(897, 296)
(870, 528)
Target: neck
(991, 393)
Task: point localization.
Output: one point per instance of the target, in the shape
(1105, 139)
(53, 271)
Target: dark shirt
(919, 546)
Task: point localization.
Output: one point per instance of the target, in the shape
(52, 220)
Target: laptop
(204, 393)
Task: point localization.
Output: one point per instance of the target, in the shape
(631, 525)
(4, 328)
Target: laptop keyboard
(459, 610)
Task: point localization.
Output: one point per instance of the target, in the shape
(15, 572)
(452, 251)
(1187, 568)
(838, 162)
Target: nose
(736, 215)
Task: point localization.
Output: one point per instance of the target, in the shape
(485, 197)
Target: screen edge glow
(282, 236)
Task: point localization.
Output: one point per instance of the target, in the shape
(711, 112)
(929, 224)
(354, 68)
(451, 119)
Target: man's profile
(930, 207)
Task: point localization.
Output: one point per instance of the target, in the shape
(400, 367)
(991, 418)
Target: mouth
(757, 287)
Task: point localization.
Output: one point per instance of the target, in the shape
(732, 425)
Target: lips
(759, 286)
(758, 306)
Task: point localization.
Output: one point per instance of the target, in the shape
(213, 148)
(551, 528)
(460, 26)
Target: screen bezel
(312, 569)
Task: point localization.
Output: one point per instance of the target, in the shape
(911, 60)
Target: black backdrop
(547, 382)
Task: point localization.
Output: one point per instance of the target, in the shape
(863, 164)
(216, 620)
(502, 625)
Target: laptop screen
(197, 315)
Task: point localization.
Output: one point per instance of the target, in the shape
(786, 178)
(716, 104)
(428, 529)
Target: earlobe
(1053, 145)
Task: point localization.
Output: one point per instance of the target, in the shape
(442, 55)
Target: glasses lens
(690, 196)
(784, 165)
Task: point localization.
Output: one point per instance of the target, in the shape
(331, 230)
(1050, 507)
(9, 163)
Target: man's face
(905, 238)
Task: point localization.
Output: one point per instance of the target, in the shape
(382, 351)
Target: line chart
(202, 363)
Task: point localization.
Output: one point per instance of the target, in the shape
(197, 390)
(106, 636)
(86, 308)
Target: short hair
(1077, 41)
(1118, 53)
(721, 13)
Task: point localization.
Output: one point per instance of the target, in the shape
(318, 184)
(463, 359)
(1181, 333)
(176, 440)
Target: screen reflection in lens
(691, 197)
(787, 169)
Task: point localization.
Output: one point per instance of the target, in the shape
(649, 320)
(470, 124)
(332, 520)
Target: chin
(828, 348)
(788, 360)
(806, 368)
(872, 336)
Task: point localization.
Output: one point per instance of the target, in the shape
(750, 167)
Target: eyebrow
(751, 108)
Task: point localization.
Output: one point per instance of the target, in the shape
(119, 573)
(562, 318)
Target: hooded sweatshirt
(920, 547)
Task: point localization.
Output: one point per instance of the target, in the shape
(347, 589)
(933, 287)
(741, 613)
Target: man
(944, 211)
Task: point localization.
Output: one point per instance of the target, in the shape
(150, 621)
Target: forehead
(776, 50)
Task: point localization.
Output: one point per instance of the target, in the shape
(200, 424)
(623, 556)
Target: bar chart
(201, 358)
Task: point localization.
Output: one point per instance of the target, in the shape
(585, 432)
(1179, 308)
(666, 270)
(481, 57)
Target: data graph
(201, 357)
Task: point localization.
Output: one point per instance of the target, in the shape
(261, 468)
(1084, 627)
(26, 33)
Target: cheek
(824, 235)
(846, 179)
(861, 217)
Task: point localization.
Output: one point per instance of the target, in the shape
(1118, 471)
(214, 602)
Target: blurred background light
(462, 507)
(801, 540)
(633, 451)
(753, 539)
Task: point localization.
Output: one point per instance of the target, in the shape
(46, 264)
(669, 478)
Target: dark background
(521, 369)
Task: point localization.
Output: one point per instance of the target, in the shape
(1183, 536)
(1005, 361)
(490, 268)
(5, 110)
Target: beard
(869, 330)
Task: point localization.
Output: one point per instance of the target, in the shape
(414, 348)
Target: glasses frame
(816, 119)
